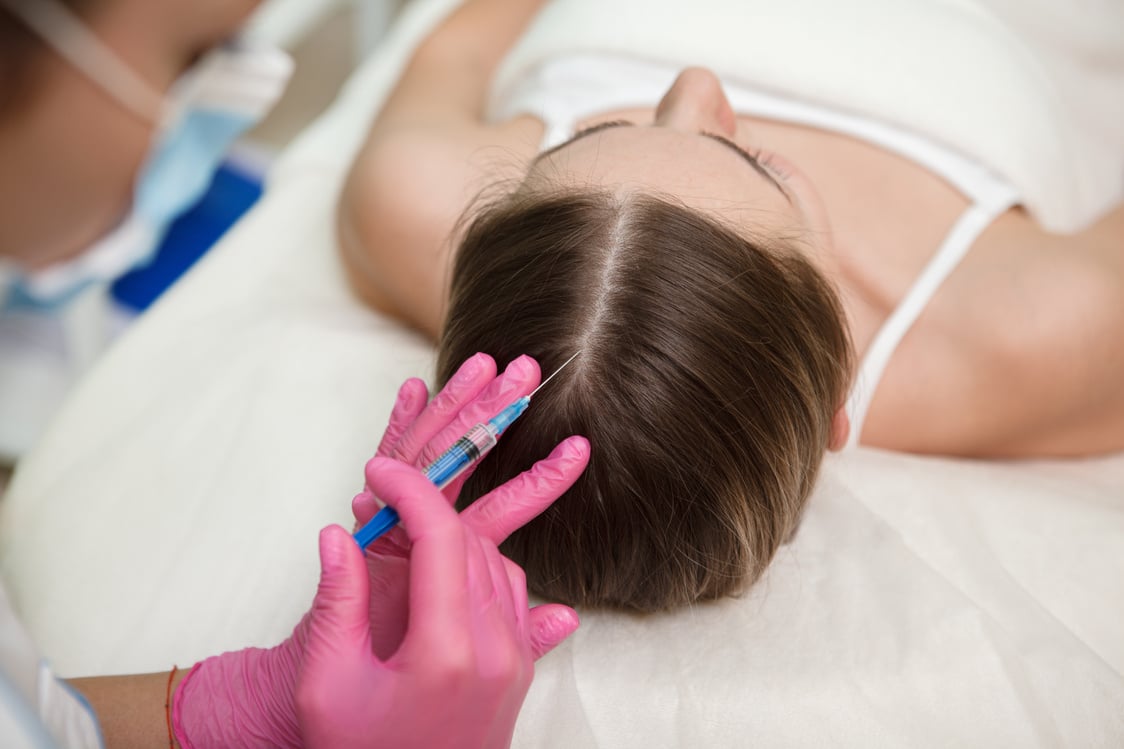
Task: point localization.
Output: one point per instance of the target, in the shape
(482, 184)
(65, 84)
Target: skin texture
(1019, 353)
(674, 154)
(130, 708)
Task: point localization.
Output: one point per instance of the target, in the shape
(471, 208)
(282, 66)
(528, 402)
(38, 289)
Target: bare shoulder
(403, 199)
(1021, 353)
(427, 153)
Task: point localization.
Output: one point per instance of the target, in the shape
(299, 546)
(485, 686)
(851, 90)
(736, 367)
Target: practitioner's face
(70, 151)
(696, 150)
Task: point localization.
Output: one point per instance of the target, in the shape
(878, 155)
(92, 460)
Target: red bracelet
(168, 708)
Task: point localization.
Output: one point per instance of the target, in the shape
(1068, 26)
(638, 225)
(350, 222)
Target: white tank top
(565, 91)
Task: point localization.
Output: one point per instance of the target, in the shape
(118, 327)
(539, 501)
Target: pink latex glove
(419, 432)
(246, 698)
(465, 663)
(457, 677)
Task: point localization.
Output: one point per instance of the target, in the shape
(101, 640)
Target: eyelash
(766, 160)
(599, 126)
(760, 155)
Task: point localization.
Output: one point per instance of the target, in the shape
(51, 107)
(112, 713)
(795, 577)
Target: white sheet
(172, 511)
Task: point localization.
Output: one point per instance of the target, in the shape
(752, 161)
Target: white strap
(955, 246)
(63, 32)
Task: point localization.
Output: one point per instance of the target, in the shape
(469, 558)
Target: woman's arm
(428, 154)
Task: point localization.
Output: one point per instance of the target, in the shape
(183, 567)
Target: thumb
(341, 609)
(548, 625)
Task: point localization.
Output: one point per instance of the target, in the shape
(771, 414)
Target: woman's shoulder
(1020, 354)
(403, 200)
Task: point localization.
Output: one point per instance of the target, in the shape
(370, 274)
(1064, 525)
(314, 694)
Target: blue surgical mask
(224, 94)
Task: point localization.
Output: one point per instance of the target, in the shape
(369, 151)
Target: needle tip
(552, 374)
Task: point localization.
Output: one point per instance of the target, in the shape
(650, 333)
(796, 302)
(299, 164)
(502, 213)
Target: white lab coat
(37, 709)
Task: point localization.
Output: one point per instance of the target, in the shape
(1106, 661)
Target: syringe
(470, 448)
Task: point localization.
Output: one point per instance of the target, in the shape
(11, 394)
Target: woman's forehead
(694, 168)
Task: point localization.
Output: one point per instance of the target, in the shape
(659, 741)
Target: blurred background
(43, 356)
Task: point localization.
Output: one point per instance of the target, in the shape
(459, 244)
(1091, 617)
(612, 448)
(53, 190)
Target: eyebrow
(752, 160)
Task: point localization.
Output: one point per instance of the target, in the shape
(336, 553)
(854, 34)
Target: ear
(840, 429)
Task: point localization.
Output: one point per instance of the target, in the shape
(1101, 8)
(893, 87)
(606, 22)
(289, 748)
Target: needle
(548, 379)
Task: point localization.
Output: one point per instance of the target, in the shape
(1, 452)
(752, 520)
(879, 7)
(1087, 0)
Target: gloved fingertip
(566, 461)
(550, 625)
(565, 621)
(334, 552)
(574, 447)
(482, 359)
(341, 610)
(378, 465)
(411, 396)
(418, 502)
(524, 367)
(364, 506)
(475, 365)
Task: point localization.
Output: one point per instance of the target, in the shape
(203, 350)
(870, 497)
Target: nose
(696, 102)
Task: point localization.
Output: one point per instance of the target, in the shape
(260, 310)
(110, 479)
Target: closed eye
(601, 126)
(754, 161)
(584, 133)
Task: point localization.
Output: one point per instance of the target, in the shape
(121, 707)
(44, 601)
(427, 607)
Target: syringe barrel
(384, 520)
(474, 445)
(471, 447)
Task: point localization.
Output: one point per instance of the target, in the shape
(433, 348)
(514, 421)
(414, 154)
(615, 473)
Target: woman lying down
(723, 252)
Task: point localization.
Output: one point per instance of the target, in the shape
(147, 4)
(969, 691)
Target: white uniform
(37, 709)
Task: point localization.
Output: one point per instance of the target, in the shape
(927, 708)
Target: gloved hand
(417, 434)
(465, 663)
(247, 698)
(458, 675)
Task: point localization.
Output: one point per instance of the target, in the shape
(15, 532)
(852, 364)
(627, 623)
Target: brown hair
(710, 370)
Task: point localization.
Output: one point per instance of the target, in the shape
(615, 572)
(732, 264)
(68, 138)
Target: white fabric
(172, 511)
(1034, 90)
(565, 90)
(36, 709)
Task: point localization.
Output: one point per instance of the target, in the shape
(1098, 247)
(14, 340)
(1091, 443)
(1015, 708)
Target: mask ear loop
(71, 40)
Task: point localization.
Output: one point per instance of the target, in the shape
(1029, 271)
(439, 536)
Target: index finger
(438, 561)
(509, 507)
(461, 389)
(409, 404)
